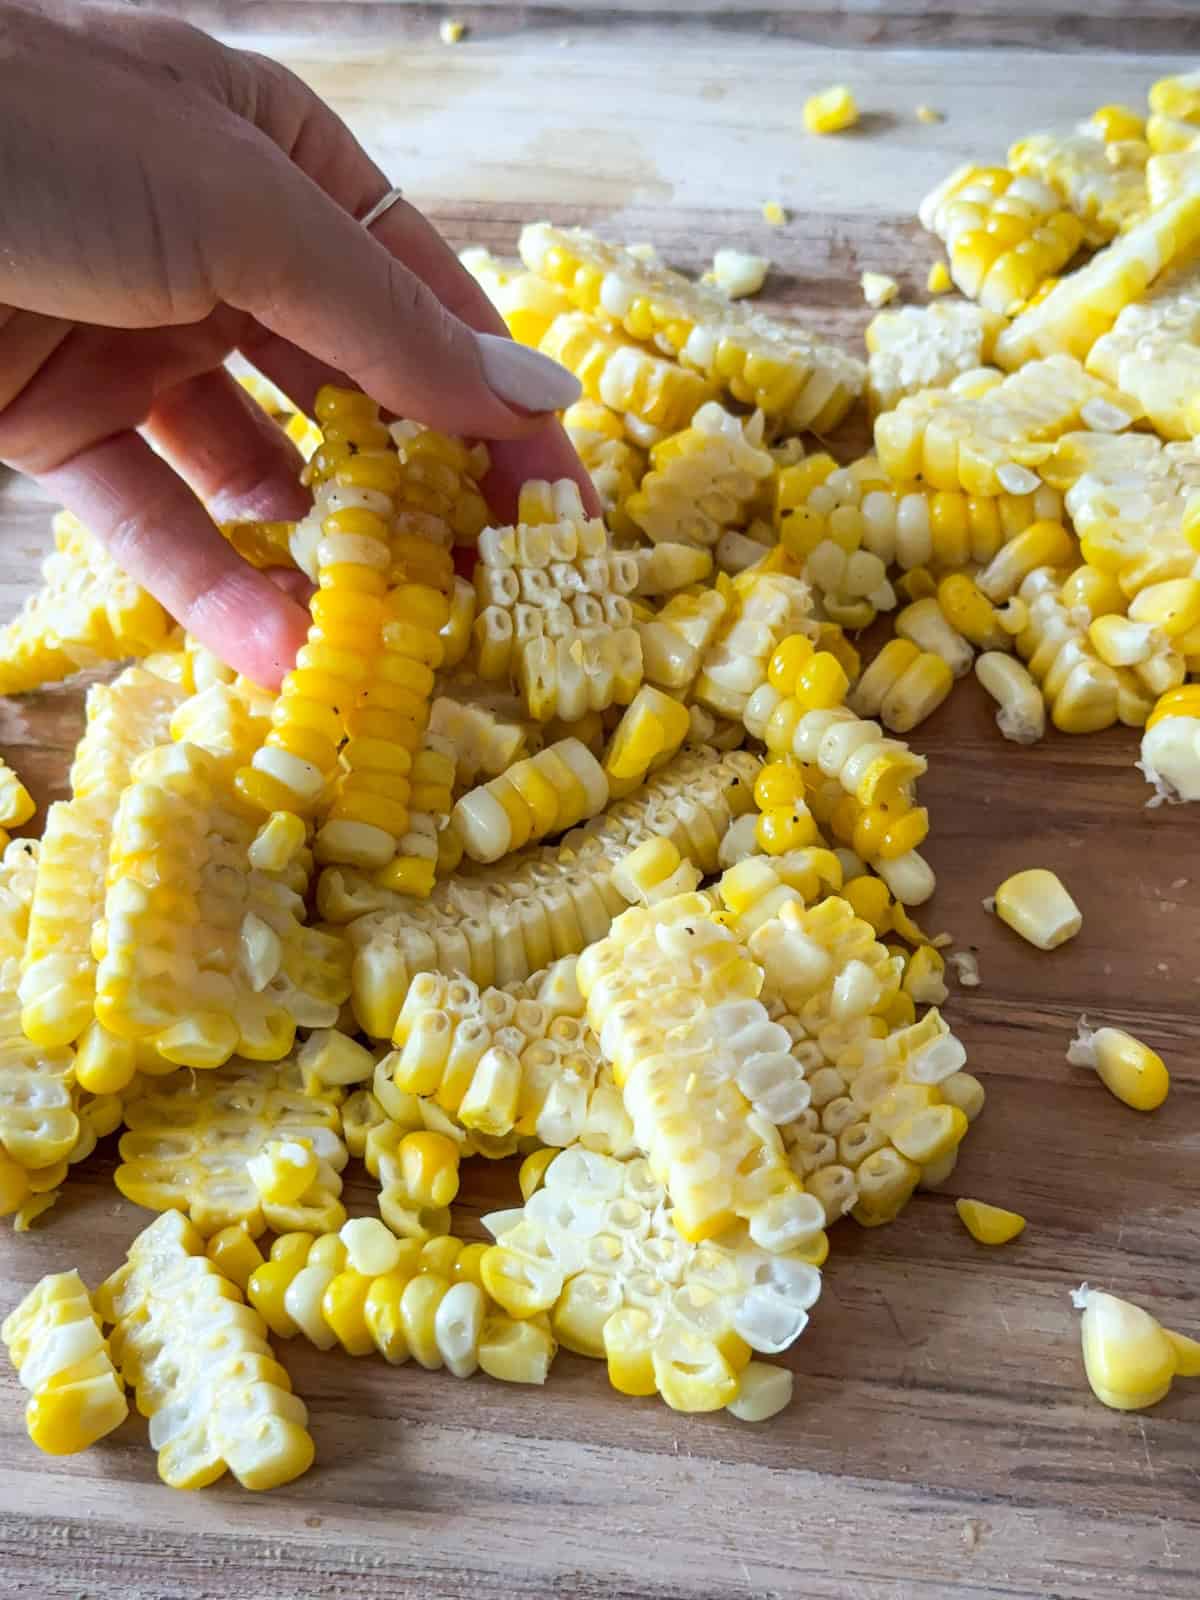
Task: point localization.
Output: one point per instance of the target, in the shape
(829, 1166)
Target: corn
(926, 347)
(625, 376)
(1082, 692)
(902, 686)
(774, 213)
(547, 793)
(831, 111)
(63, 1359)
(763, 1391)
(649, 733)
(1130, 1358)
(1022, 716)
(527, 303)
(485, 744)
(781, 371)
(1005, 234)
(438, 502)
(767, 608)
(989, 1224)
(199, 1363)
(1100, 172)
(738, 274)
(715, 1301)
(1086, 304)
(925, 624)
(1035, 904)
(234, 1254)
(244, 1146)
(702, 480)
(86, 613)
(1152, 351)
(971, 614)
(988, 442)
(938, 279)
(1126, 1067)
(1170, 754)
(878, 289)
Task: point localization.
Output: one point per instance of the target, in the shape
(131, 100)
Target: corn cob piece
(703, 480)
(615, 464)
(556, 789)
(430, 845)
(197, 960)
(987, 443)
(1130, 1359)
(1128, 499)
(1087, 303)
(528, 303)
(626, 377)
(1170, 755)
(1005, 234)
(1152, 352)
(776, 368)
(189, 1138)
(594, 1248)
(767, 607)
(62, 1358)
(86, 613)
(57, 988)
(406, 1299)
(1099, 170)
(926, 347)
(909, 525)
(198, 1360)
(503, 923)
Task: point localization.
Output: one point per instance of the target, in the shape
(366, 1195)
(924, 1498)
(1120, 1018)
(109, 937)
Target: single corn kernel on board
(578, 1071)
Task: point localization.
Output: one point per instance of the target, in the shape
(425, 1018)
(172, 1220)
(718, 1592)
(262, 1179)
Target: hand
(168, 201)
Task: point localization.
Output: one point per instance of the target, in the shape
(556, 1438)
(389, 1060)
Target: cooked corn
(831, 111)
(702, 480)
(926, 347)
(62, 1358)
(1130, 1358)
(1035, 904)
(1170, 754)
(550, 792)
(1127, 1067)
(1099, 170)
(623, 375)
(989, 1224)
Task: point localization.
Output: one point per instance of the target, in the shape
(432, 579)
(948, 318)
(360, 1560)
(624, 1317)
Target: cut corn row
(987, 440)
(676, 640)
(527, 303)
(1099, 170)
(404, 1298)
(198, 1361)
(1152, 352)
(779, 370)
(62, 1358)
(1130, 1359)
(198, 960)
(1170, 754)
(431, 845)
(438, 495)
(1082, 692)
(909, 525)
(556, 789)
(926, 347)
(1084, 305)
(86, 613)
(190, 1136)
(485, 744)
(594, 1250)
(505, 923)
(614, 463)
(1005, 234)
(703, 480)
(766, 607)
(626, 377)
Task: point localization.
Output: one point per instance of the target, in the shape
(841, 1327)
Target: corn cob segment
(189, 1138)
(1083, 693)
(926, 347)
(594, 1248)
(437, 494)
(62, 1358)
(703, 480)
(626, 377)
(763, 363)
(197, 959)
(86, 613)
(198, 1361)
(1152, 352)
(1101, 178)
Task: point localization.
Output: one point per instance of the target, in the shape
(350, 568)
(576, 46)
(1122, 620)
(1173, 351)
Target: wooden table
(943, 1443)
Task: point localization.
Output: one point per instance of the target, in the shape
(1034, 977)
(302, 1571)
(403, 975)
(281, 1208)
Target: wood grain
(943, 1444)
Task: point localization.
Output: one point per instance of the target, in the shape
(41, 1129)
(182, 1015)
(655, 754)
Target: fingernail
(524, 377)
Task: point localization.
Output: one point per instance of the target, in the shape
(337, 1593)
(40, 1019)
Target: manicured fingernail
(524, 377)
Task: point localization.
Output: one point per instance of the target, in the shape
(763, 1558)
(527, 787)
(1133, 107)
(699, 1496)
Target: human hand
(167, 201)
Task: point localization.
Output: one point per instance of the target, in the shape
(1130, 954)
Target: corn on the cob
(670, 1317)
(87, 612)
(703, 480)
(201, 1368)
(189, 1138)
(1152, 352)
(623, 375)
(196, 959)
(1005, 234)
(910, 525)
(1099, 170)
(1128, 1068)
(1170, 754)
(1130, 1359)
(1035, 903)
(926, 347)
(989, 1224)
(988, 443)
(779, 370)
(1086, 304)
(62, 1358)
(504, 923)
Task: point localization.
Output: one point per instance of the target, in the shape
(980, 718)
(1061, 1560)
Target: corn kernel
(1035, 904)
(989, 1224)
(1127, 1067)
(831, 111)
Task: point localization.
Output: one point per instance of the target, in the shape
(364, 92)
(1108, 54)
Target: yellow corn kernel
(1128, 1068)
(627, 1341)
(1035, 904)
(779, 783)
(786, 828)
(821, 683)
(831, 111)
(1129, 1357)
(533, 1171)
(1118, 123)
(774, 213)
(429, 1168)
(371, 1247)
(989, 1224)
(515, 1352)
(939, 280)
(283, 1171)
(234, 1254)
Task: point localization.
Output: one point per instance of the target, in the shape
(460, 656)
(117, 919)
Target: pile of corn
(605, 858)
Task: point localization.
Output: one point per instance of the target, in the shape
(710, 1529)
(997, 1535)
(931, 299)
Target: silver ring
(380, 206)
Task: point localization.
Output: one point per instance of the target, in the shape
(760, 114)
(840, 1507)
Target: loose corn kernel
(1127, 1067)
(831, 111)
(989, 1224)
(938, 279)
(774, 213)
(878, 288)
(1035, 904)
(1129, 1357)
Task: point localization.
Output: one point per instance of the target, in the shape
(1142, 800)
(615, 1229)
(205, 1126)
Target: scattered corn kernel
(1129, 1358)
(1035, 904)
(989, 1224)
(1127, 1067)
(878, 288)
(831, 111)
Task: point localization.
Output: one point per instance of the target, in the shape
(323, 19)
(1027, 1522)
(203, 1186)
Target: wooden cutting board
(943, 1443)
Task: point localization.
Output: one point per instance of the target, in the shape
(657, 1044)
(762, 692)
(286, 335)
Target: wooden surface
(943, 1444)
